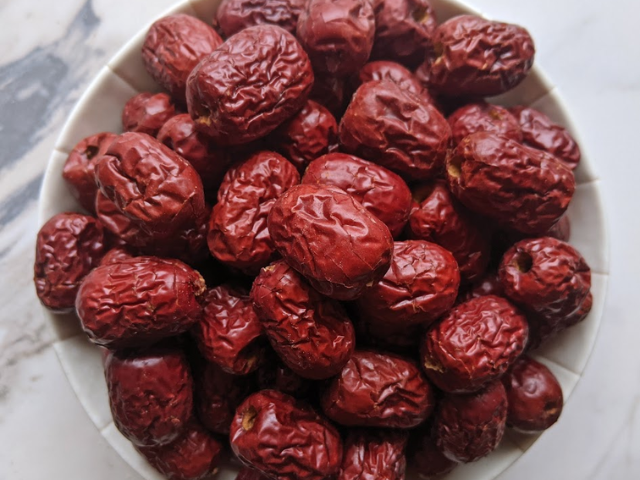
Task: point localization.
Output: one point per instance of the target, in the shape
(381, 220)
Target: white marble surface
(51, 50)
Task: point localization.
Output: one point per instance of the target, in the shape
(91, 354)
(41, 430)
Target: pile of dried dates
(320, 246)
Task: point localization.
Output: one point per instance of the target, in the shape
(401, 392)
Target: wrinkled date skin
(404, 30)
(274, 374)
(534, 395)
(218, 394)
(440, 219)
(469, 427)
(147, 112)
(180, 135)
(120, 226)
(174, 45)
(427, 461)
(374, 455)
(337, 34)
(400, 131)
(150, 184)
(238, 233)
(551, 280)
(284, 438)
(150, 394)
(79, 169)
(68, 247)
(331, 239)
(194, 456)
(312, 334)
(484, 117)
(116, 255)
(390, 71)
(256, 80)
(330, 91)
(383, 193)
(419, 287)
(139, 301)
(540, 132)
(189, 244)
(521, 188)
(475, 343)
(230, 333)
(309, 134)
(378, 390)
(235, 15)
(477, 57)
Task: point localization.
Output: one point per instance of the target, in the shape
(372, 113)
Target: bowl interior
(99, 110)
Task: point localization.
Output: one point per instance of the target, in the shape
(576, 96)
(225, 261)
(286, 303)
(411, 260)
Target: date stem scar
(453, 167)
(249, 418)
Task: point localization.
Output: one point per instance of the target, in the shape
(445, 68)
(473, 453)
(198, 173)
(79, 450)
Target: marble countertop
(51, 51)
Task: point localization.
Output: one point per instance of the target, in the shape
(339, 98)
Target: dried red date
(550, 280)
(420, 286)
(390, 71)
(521, 188)
(478, 57)
(274, 374)
(116, 255)
(475, 343)
(441, 219)
(150, 394)
(404, 30)
(218, 394)
(180, 135)
(374, 455)
(174, 45)
(312, 334)
(194, 456)
(395, 129)
(540, 132)
(310, 133)
(79, 169)
(251, 84)
(483, 117)
(534, 396)
(381, 192)
(331, 239)
(120, 226)
(337, 34)
(189, 244)
(68, 247)
(378, 390)
(139, 301)
(238, 234)
(150, 184)
(427, 461)
(284, 438)
(230, 333)
(235, 15)
(147, 112)
(329, 90)
(469, 427)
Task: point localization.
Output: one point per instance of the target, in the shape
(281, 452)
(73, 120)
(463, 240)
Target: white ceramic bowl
(99, 110)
